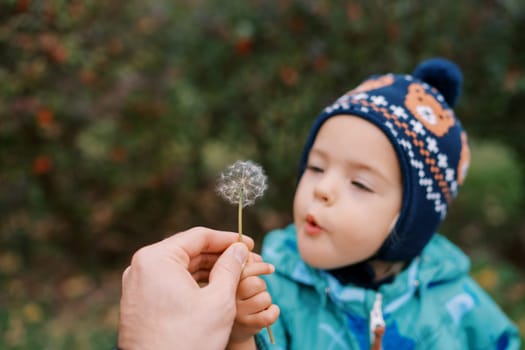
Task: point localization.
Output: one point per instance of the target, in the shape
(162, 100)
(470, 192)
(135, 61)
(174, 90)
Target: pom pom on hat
(442, 74)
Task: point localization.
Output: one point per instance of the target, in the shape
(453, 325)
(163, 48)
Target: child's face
(350, 194)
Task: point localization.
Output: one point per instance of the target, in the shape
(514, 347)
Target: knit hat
(414, 112)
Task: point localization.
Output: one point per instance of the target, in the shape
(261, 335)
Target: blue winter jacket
(432, 304)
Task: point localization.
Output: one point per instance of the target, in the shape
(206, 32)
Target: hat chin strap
(362, 274)
(366, 273)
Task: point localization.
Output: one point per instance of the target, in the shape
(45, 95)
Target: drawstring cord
(377, 324)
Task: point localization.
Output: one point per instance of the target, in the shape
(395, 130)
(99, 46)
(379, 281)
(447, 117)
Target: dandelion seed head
(243, 178)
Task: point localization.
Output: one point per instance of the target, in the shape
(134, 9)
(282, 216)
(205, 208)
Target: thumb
(226, 272)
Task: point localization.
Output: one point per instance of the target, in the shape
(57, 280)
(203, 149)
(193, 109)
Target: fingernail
(240, 252)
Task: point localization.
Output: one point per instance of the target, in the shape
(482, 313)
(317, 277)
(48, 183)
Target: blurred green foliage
(493, 195)
(116, 117)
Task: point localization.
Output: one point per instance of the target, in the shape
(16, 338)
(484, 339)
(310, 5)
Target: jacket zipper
(377, 324)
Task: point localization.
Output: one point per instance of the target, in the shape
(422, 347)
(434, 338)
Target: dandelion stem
(240, 217)
(239, 228)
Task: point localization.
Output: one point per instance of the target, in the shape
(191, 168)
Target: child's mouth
(311, 227)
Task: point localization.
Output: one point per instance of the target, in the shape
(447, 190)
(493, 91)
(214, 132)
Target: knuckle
(256, 257)
(197, 229)
(247, 283)
(140, 257)
(259, 284)
(267, 298)
(244, 319)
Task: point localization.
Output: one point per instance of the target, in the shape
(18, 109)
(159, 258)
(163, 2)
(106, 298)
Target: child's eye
(314, 168)
(361, 186)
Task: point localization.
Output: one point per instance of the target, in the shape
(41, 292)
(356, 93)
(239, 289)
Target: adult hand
(162, 304)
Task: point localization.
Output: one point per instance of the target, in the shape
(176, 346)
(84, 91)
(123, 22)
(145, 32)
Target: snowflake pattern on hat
(418, 135)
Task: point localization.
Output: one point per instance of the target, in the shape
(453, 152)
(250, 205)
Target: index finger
(199, 240)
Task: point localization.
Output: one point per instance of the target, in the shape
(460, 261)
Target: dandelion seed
(241, 184)
(243, 181)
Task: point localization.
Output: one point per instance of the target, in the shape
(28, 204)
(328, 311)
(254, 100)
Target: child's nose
(325, 189)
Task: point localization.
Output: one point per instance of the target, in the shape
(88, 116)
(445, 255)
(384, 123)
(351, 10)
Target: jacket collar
(439, 262)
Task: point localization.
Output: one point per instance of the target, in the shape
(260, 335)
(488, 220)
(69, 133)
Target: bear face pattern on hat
(429, 141)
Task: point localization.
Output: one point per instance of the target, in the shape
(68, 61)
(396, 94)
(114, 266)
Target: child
(362, 266)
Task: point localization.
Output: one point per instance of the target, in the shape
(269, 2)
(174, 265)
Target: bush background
(116, 117)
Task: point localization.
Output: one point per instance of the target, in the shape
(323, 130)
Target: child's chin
(315, 262)
(319, 262)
